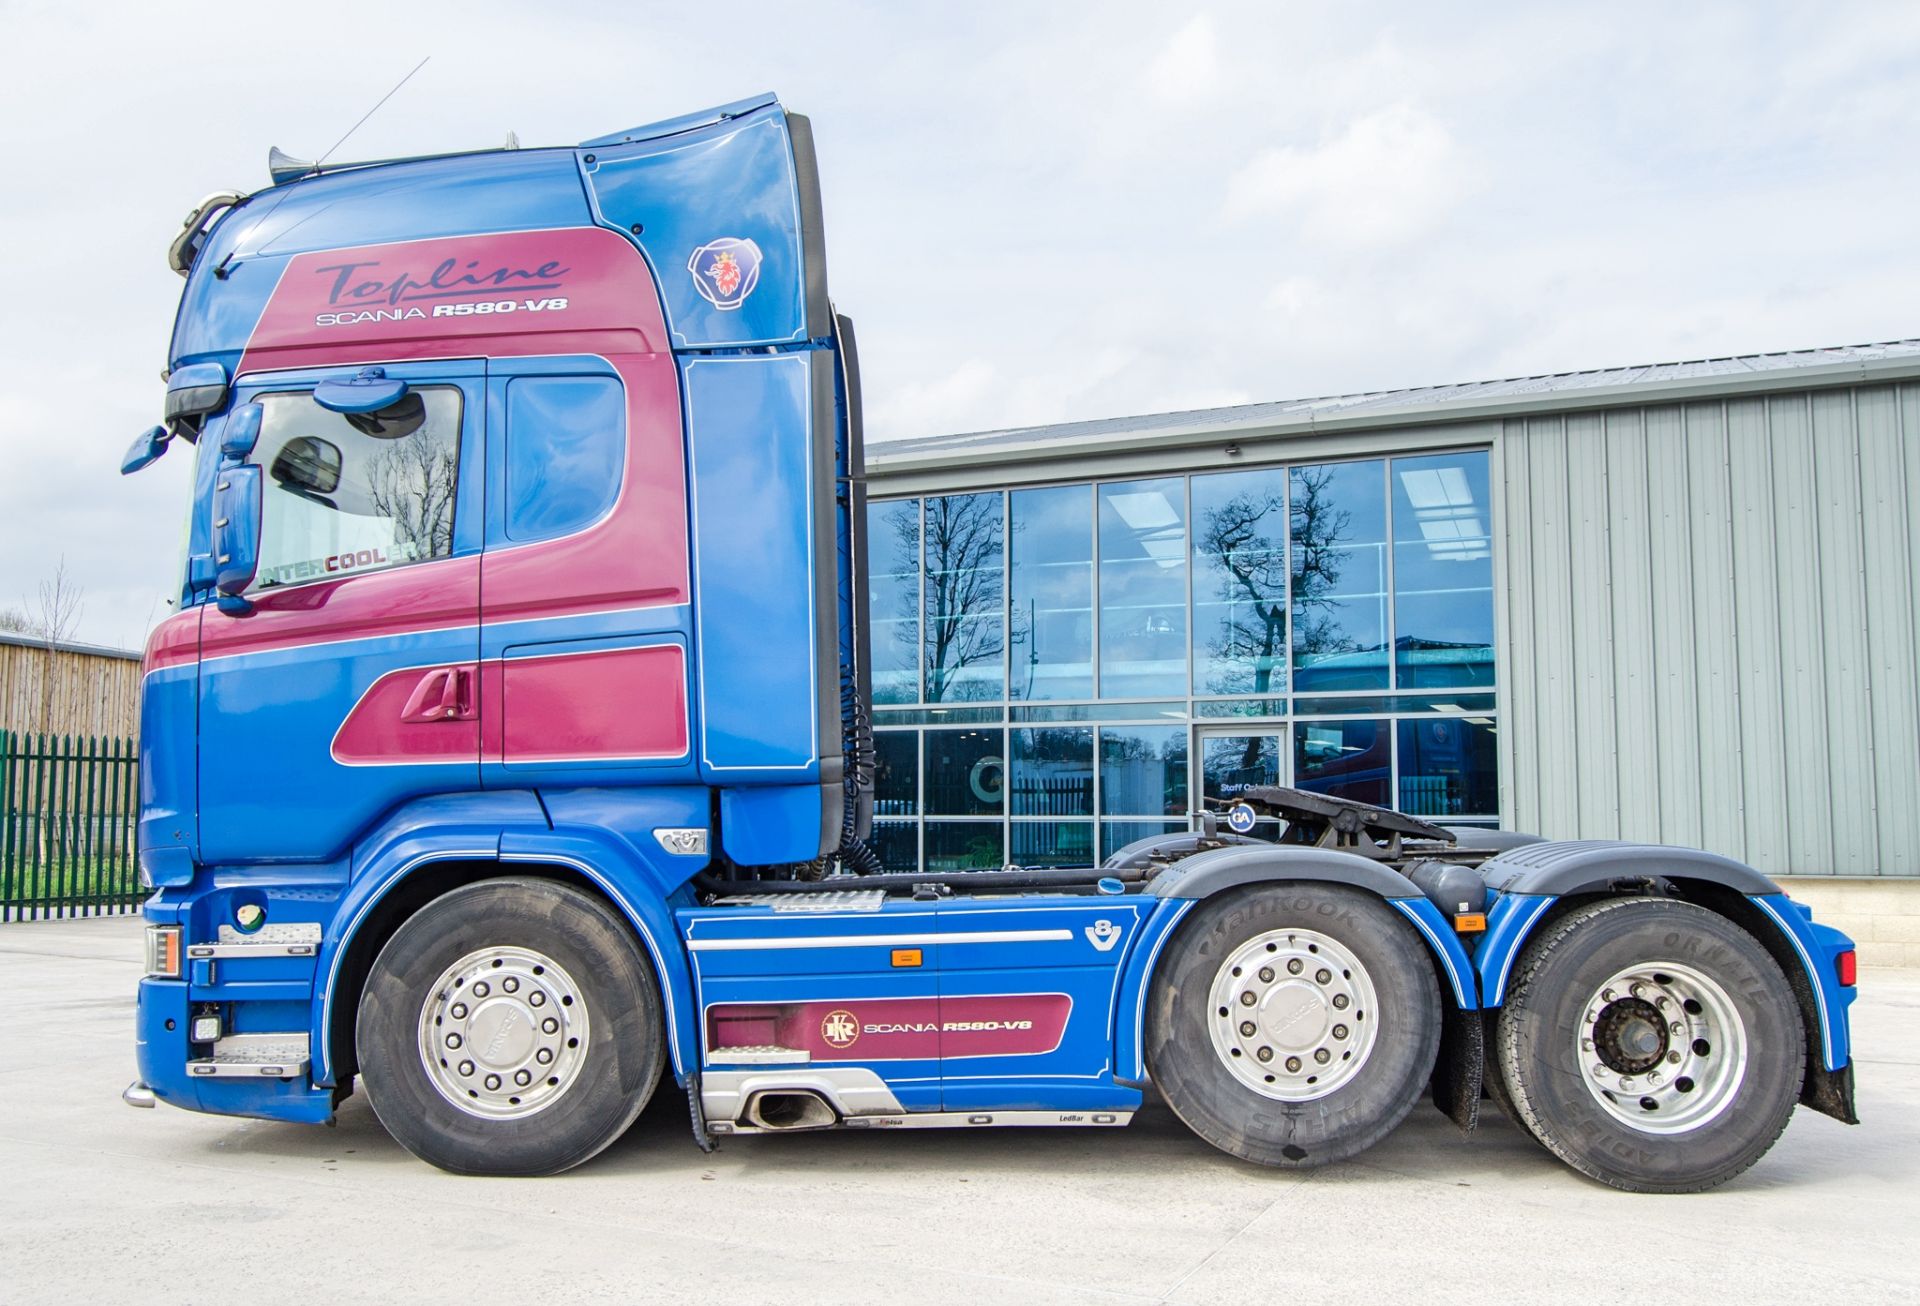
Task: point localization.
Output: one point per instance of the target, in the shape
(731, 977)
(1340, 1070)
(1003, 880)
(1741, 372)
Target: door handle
(443, 694)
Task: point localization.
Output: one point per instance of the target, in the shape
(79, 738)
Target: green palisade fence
(67, 809)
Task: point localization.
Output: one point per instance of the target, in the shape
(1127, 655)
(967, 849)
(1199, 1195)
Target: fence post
(6, 825)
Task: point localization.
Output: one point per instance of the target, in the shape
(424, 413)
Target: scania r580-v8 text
(507, 758)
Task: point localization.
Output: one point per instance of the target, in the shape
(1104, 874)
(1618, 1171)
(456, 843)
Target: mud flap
(697, 1110)
(1830, 1092)
(1461, 1067)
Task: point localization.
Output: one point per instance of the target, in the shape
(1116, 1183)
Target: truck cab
(507, 752)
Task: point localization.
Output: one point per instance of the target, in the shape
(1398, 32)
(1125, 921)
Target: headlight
(163, 951)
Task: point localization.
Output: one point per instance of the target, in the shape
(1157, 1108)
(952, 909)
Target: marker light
(1848, 967)
(1470, 922)
(163, 951)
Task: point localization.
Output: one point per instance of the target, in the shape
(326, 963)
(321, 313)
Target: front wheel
(1294, 1024)
(510, 1027)
(1651, 1044)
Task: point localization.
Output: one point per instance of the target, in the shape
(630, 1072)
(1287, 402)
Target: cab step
(255, 1056)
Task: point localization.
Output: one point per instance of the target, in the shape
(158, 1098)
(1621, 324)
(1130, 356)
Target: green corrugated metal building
(1675, 602)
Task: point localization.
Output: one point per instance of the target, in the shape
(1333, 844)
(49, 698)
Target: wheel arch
(1543, 882)
(410, 888)
(1205, 876)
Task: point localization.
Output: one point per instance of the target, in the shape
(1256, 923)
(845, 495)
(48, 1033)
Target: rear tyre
(1651, 1044)
(1293, 1024)
(510, 1028)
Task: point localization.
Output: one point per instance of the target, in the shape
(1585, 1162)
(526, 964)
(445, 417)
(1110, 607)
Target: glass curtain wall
(1063, 669)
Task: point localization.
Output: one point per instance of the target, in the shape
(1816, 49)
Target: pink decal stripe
(569, 290)
(378, 732)
(895, 1029)
(620, 705)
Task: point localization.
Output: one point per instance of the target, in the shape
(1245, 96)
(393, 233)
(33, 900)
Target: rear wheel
(510, 1028)
(1651, 1044)
(1294, 1024)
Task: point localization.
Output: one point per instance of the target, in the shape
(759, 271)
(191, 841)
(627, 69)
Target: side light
(163, 951)
(1848, 968)
(1470, 922)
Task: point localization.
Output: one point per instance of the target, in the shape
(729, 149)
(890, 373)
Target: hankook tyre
(1293, 1024)
(1651, 1044)
(511, 1027)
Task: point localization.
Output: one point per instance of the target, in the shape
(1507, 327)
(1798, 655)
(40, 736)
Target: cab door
(351, 682)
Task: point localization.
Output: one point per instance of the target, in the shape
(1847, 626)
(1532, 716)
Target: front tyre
(510, 1027)
(1293, 1024)
(1651, 1044)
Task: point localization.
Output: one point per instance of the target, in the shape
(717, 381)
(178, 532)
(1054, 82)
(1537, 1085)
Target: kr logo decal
(725, 271)
(1103, 934)
(839, 1029)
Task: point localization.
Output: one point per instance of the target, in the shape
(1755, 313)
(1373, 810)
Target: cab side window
(353, 492)
(566, 448)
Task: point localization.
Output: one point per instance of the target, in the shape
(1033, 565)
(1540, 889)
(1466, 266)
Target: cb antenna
(281, 168)
(368, 114)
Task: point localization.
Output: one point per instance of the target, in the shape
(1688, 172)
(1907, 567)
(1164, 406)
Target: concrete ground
(102, 1203)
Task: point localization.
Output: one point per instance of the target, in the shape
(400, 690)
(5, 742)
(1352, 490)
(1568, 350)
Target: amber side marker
(1470, 922)
(906, 956)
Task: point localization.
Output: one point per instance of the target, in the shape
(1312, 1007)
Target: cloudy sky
(1035, 212)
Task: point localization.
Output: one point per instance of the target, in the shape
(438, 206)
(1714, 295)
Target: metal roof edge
(68, 646)
(1633, 394)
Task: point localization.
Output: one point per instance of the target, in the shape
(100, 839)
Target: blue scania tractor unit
(506, 755)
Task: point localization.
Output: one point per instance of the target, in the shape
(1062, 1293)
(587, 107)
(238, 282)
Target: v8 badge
(1103, 934)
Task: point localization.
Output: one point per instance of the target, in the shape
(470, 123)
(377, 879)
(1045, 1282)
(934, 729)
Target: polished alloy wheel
(1662, 1048)
(503, 1033)
(1294, 1014)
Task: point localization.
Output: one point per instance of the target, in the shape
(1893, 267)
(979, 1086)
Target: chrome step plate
(254, 1056)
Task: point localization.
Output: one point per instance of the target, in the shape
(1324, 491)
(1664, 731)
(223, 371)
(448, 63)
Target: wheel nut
(492, 1082)
(1293, 1065)
(480, 990)
(1266, 974)
(1248, 1028)
(1673, 1058)
(523, 1077)
(1294, 967)
(1322, 1055)
(466, 1067)
(1339, 1031)
(1340, 1001)
(1586, 1045)
(550, 1026)
(1264, 1054)
(544, 1056)
(510, 984)
(536, 999)
(459, 1011)
(1322, 976)
(1247, 999)
(453, 1040)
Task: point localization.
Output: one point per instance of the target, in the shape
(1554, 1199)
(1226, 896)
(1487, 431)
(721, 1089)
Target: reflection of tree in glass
(1249, 568)
(1319, 527)
(963, 582)
(411, 484)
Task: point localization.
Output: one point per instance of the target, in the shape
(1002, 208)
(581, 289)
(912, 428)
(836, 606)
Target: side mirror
(236, 535)
(242, 433)
(367, 392)
(145, 450)
(194, 391)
